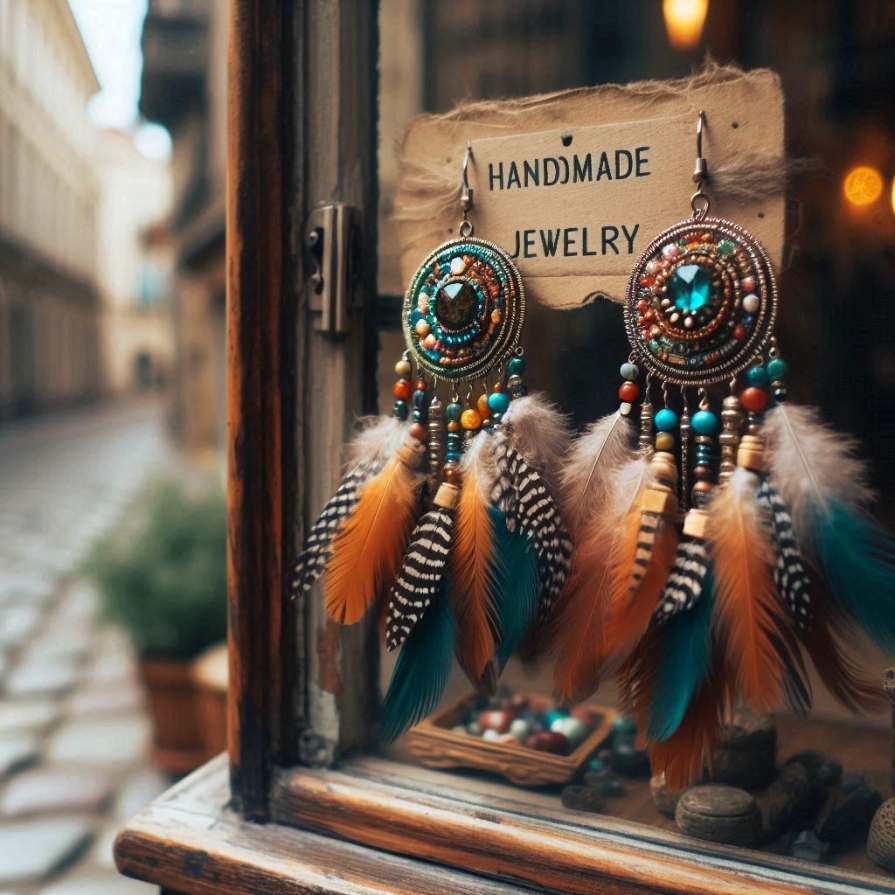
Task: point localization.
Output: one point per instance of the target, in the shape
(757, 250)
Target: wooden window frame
(302, 132)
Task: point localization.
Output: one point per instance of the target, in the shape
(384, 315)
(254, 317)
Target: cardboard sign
(578, 183)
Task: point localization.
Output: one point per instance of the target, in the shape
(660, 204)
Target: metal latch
(333, 238)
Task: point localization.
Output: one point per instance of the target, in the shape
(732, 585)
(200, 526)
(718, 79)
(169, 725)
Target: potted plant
(163, 579)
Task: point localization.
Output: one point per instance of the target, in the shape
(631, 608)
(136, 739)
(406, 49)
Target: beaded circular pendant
(463, 312)
(701, 302)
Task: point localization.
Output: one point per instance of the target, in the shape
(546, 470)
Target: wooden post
(301, 133)
(257, 389)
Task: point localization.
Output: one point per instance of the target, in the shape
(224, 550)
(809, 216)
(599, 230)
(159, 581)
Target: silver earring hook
(699, 201)
(466, 228)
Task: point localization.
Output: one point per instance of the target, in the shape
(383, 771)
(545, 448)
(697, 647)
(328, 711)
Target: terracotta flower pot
(178, 746)
(210, 675)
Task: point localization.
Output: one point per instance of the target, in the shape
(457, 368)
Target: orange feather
(471, 580)
(684, 755)
(755, 633)
(370, 545)
(577, 626)
(630, 609)
(831, 658)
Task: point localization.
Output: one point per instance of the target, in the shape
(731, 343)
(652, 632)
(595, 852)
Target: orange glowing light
(862, 185)
(684, 20)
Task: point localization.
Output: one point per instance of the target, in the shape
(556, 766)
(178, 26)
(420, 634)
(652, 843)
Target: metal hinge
(332, 236)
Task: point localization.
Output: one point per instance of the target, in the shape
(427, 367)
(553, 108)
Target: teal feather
(422, 669)
(516, 586)
(684, 665)
(858, 561)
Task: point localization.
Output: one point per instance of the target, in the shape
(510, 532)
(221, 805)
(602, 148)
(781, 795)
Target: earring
(477, 574)
(776, 552)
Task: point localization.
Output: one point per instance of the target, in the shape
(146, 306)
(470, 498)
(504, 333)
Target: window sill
(405, 821)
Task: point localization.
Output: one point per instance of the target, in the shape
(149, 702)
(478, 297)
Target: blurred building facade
(184, 88)
(135, 268)
(49, 301)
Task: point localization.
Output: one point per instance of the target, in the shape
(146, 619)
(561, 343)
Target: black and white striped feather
(535, 513)
(646, 543)
(790, 577)
(685, 581)
(503, 493)
(312, 561)
(422, 574)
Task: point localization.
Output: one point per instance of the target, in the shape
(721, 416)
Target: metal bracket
(332, 235)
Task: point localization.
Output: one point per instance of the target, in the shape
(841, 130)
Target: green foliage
(164, 578)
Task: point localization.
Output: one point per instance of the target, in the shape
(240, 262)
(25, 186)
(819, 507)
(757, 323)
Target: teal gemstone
(624, 726)
(498, 402)
(401, 410)
(705, 422)
(454, 412)
(516, 366)
(665, 420)
(690, 287)
(725, 247)
(777, 369)
(757, 376)
(552, 715)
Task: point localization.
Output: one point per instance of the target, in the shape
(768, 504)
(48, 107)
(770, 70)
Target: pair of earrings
(711, 549)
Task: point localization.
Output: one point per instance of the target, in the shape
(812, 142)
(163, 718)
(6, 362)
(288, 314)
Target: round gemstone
(690, 287)
(456, 305)
(705, 422)
(666, 420)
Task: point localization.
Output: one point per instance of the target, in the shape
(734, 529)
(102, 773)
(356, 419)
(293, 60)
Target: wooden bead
(403, 390)
(629, 391)
(403, 369)
(421, 385)
(418, 431)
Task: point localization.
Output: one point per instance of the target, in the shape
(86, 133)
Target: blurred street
(73, 729)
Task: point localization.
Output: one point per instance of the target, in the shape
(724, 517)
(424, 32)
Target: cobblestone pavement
(73, 730)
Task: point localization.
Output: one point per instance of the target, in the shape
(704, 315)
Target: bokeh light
(863, 185)
(684, 21)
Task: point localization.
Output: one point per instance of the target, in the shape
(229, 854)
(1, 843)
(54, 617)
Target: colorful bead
(401, 411)
(777, 368)
(454, 426)
(629, 371)
(498, 402)
(664, 441)
(403, 389)
(420, 400)
(705, 422)
(453, 412)
(483, 407)
(402, 368)
(629, 391)
(665, 420)
(751, 303)
(470, 420)
(625, 408)
(421, 385)
(757, 376)
(747, 284)
(422, 328)
(516, 366)
(419, 432)
(754, 399)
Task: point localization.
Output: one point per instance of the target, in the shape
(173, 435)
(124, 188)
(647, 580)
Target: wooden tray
(437, 746)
